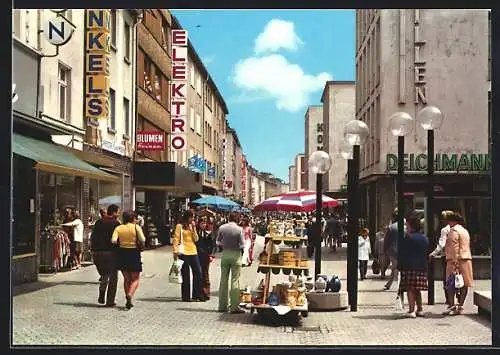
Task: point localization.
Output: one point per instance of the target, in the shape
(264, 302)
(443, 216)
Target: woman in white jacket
(364, 252)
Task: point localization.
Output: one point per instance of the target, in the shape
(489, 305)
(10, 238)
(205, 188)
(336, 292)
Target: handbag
(180, 248)
(375, 267)
(175, 276)
(139, 244)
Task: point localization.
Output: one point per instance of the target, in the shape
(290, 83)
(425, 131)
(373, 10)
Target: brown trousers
(205, 275)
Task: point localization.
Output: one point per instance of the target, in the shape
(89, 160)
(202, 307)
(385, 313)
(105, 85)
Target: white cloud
(209, 59)
(276, 35)
(276, 78)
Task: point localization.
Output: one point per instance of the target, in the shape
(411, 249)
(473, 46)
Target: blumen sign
(150, 140)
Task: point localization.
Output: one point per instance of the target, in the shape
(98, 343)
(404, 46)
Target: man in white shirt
(77, 242)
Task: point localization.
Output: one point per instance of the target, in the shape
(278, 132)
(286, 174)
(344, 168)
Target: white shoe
(420, 314)
(411, 315)
(449, 311)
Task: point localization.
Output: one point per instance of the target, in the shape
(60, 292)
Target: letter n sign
(58, 31)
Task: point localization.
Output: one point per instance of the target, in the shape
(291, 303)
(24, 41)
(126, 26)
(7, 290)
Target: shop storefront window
(56, 193)
(110, 193)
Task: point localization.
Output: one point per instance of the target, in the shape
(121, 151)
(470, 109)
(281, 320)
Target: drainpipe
(138, 19)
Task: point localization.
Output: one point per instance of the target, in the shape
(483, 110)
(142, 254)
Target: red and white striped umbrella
(298, 201)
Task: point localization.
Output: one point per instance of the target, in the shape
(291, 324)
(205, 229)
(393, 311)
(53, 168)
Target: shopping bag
(459, 281)
(398, 304)
(174, 275)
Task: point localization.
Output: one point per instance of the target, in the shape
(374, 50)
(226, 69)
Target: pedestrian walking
(413, 266)
(391, 249)
(231, 239)
(184, 248)
(76, 223)
(364, 252)
(333, 230)
(104, 255)
(248, 251)
(441, 245)
(458, 262)
(130, 239)
(206, 248)
(381, 257)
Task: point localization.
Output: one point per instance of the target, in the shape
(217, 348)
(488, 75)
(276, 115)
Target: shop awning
(54, 159)
(167, 176)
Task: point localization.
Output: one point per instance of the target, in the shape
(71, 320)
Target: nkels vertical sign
(97, 61)
(179, 89)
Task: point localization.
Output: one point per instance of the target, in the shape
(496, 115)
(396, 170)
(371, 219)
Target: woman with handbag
(130, 239)
(184, 247)
(458, 263)
(413, 265)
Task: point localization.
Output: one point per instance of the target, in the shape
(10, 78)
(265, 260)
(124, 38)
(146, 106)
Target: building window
(112, 109)
(165, 36)
(126, 38)
(198, 124)
(126, 112)
(114, 28)
(192, 74)
(147, 72)
(157, 83)
(198, 84)
(191, 118)
(64, 92)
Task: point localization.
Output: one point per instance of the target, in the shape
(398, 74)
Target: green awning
(55, 159)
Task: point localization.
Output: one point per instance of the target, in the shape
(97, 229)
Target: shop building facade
(53, 168)
(338, 101)
(407, 59)
(313, 129)
(300, 172)
(233, 164)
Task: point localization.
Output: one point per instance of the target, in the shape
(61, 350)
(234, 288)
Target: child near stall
(364, 252)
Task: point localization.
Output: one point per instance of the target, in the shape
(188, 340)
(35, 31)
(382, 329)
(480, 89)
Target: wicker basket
(303, 263)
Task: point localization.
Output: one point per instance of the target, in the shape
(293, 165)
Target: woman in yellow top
(185, 235)
(130, 239)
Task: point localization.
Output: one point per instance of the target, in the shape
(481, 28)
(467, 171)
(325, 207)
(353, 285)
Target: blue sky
(269, 66)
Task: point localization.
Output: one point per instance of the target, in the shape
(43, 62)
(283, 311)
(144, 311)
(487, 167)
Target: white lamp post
(319, 163)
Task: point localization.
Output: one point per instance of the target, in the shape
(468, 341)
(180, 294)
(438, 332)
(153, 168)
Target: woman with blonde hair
(130, 239)
(184, 247)
(458, 261)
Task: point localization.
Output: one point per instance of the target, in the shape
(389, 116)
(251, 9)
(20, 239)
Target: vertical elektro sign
(97, 61)
(178, 111)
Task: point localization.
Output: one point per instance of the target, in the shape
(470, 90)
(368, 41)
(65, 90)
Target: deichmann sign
(150, 140)
(442, 162)
(97, 61)
(179, 89)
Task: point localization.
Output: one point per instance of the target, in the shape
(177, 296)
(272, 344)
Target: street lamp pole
(317, 251)
(401, 124)
(430, 118)
(319, 163)
(430, 215)
(355, 133)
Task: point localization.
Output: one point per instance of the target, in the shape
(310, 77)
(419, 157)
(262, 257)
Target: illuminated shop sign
(178, 95)
(442, 162)
(97, 62)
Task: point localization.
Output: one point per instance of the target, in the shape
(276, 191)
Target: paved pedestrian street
(62, 309)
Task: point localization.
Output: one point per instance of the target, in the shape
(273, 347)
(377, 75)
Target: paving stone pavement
(62, 309)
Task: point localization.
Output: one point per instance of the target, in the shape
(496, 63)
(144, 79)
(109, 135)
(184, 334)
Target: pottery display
(320, 285)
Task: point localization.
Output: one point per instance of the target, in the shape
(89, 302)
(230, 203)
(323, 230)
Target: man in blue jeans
(232, 241)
